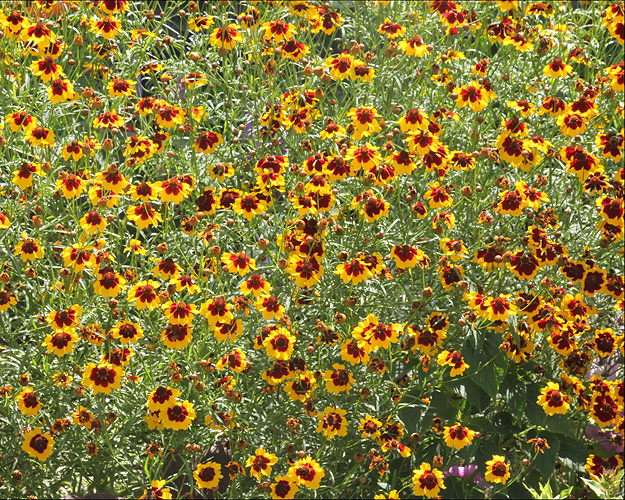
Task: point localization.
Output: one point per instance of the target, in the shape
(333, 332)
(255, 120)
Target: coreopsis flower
(61, 91)
(306, 472)
(83, 417)
(427, 340)
(102, 378)
(206, 142)
(7, 299)
(498, 308)
(144, 294)
(306, 271)
(427, 481)
(414, 47)
(46, 69)
(28, 402)
(208, 475)
(176, 336)
(553, 400)
(340, 66)
(108, 27)
(557, 69)
(352, 353)
(40, 137)
(354, 271)
(227, 37)
(572, 124)
(144, 215)
(179, 313)
(255, 284)
(65, 321)
(126, 332)
(118, 87)
(338, 380)
(370, 427)
(20, 121)
(497, 470)
(162, 398)
(38, 34)
(136, 247)
(421, 142)
(23, 177)
(597, 466)
(178, 416)
(278, 31)
(269, 306)
(283, 488)
(326, 21)
(472, 95)
(414, 121)
(279, 344)
(261, 463)
(331, 130)
(112, 179)
(302, 386)
(118, 357)
(38, 445)
(454, 359)
(92, 222)
(360, 71)
(109, 283)
(391, 30)
(611, 145)
(170, 116)
(364, 121)
(236, 361)
(173, 190)
(332, 422)
(277, 373)
(200, 22)
(407, 256)
(157, 491)
(108, 120)
(166, 268)
(594, 281)
(605, 409)
(458, 436)
(184, 282)
(238, 263)
(611, 209)
(437, 196)
(216, 311)
(371, 334)
(60, 342)
(249, 206)
(604, 342)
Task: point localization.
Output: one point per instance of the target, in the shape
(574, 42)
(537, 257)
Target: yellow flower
(261, 463)
(553, 400)
(37, 444)
(427, 481)
(207, 475)
(497, 471)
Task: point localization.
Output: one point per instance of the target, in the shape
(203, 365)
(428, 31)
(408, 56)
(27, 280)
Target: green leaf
(514, 392)
(595, 487)
(573, 454)
(469, 390)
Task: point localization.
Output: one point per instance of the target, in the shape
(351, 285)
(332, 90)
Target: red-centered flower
(143, 293)
(206, 142)
(524, 265)
(355, 271)
(102, 377)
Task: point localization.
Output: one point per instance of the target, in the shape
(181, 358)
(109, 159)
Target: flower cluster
(236, 224)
